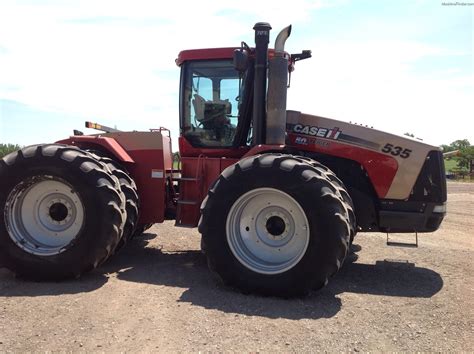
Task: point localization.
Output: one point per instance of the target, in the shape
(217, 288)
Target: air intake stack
(262, 37)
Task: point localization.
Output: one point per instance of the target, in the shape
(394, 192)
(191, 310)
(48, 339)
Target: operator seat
(199, 104)
(212, 117)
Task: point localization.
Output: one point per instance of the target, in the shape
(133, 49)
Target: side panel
(187, 150)
(198, 173)
(380, 168)
(149, 171)
(393, 163)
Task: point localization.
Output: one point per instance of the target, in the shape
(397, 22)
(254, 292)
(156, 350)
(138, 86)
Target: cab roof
(205, 54)
(213, 53)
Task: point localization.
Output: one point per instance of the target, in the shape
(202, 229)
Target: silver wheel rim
(44, 215)
(267, 231)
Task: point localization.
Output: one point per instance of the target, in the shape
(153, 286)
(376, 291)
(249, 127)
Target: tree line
(5, 149)
(464, 155)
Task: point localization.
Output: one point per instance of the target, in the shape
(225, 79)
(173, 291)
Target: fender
(262, 149)
(109, 144)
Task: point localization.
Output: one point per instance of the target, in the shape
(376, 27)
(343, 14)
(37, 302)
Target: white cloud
(374, 83)
(99, 58)
(115, 60)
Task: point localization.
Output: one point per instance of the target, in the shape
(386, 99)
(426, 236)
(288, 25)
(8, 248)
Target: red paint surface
(108, 144)
(139, 164)
(206, 170)
(150, 190)
(260, 149)
(213, 54)
(205, 54)
(380, 168)
(187, 150)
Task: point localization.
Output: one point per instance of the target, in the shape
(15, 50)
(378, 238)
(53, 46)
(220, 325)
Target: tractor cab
(235, 98)
(215, 102)
(212, 94)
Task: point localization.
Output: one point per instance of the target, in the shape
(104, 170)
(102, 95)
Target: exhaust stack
(277, 87)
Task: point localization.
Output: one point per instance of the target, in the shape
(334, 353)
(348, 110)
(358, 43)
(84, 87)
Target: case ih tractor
(277, 195)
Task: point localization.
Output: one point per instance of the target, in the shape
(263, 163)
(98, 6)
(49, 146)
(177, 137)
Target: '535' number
(396, 151)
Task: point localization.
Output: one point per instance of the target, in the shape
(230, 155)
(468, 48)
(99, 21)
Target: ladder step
(188, 202)
(179, 224)
(193, 179)
(402, 244)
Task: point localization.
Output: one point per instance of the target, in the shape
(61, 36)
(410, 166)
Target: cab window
(210, 111)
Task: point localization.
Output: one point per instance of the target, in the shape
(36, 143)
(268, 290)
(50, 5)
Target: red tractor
(277, 195)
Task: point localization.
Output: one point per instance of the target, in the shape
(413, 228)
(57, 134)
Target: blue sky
(403, 66)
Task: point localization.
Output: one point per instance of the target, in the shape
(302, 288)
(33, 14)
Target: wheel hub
(267, 231)
(277, 225)
(274, 226)
(43, 215)
(59, 211)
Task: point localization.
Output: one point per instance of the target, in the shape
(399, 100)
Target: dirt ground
(157, 295)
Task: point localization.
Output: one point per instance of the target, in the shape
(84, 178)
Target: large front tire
(341, 188)
(274, 225)
(63, 212)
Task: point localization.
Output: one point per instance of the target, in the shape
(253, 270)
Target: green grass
(449, 164)
(451, 167)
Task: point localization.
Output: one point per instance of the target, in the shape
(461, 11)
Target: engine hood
(393, 162)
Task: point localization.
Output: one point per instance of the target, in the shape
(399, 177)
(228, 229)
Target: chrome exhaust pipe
(281, 39)
(276, 95)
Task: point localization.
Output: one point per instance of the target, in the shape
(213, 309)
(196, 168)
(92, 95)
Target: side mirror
(241, 59)
(305, 54)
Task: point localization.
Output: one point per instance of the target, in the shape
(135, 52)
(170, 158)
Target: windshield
(211, 103)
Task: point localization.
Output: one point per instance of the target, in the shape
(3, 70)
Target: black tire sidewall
(318, 261)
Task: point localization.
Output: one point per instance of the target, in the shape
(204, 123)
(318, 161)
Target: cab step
(192, 179)
(188, 226)
(188, 202)
(403, 244)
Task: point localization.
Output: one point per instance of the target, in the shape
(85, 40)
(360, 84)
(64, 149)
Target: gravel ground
(157, 295)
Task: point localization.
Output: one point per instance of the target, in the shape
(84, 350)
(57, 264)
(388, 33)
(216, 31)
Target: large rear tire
(129, 189)
(341, 189)
(63, 215)
(274, 225)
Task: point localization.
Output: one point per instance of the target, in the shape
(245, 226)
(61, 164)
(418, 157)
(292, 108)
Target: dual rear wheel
(65, 212)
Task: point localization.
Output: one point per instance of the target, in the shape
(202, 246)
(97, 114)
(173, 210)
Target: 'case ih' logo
(316, 131)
